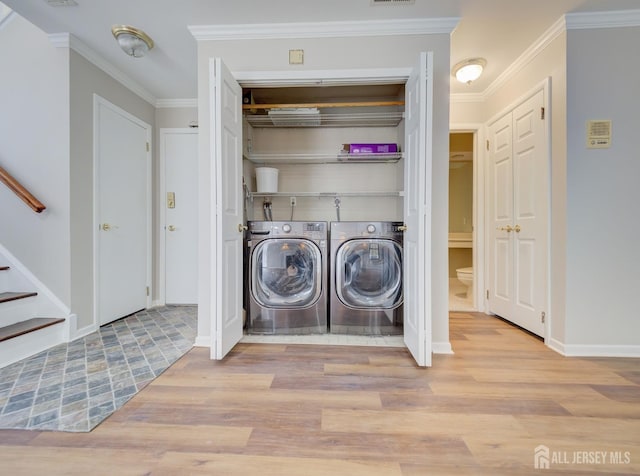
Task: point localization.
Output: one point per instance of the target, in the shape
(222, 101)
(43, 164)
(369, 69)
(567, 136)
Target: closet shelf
(323, 158)
(351, 119)
(253, 195)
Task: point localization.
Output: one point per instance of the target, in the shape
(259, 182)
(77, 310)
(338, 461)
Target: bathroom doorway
(461, 214)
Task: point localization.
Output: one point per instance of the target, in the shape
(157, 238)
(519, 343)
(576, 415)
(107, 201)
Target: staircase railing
(24, 194)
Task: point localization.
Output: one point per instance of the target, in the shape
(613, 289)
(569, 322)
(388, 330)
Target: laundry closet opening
(323, 166)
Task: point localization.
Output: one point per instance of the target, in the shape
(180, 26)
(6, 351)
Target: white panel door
(227, 168)
(501, 157)
(179, 199)
(530, 183)
(519, 209)
(417, 181)
(122, 210)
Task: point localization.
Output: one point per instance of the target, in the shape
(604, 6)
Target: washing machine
(366, 278)
(287, 286)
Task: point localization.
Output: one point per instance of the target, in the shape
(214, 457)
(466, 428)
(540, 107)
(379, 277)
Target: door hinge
(487, 294)
(542, 113)
(542, 317)
(487, 144)
(148, 147)
(147, 290)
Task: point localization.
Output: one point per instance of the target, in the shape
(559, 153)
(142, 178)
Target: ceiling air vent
(61, 3)
(393, 2)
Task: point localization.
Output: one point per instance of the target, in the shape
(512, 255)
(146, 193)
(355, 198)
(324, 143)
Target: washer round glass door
(369, 273)
(286, 273)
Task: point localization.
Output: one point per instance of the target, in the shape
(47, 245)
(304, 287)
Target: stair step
(6, 297)
(24, 327)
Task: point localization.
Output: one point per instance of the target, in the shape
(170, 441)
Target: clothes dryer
(287, 277)
(366, 278)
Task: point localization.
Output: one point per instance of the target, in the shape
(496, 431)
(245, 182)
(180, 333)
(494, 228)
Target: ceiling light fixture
(134, 42)
(469, 70)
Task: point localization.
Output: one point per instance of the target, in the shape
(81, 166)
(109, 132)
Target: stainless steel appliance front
(287, 285)
(366, 278)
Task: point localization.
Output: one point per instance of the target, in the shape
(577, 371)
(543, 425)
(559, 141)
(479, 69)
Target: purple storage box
(370, 148)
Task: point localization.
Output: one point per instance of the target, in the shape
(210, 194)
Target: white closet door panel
(227, 167)
(519, 184)
(417, 180)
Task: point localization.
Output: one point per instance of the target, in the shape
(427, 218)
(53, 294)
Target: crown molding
(7, 19)
(466, 97)
(67, 40)
(169, 103)
(570, 21)
(527, 56)
(261, 31)
(614, 19)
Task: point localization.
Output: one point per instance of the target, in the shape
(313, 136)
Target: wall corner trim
(261, 31)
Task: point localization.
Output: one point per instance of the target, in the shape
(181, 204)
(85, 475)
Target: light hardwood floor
(271, 409)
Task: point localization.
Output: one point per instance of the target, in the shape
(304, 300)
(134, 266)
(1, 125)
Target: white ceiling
(498, 30)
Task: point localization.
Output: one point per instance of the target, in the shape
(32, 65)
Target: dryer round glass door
(368, 273)
(286, 273)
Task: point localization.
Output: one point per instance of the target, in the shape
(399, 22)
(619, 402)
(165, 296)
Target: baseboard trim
(202, 341)
(575, 350)
(441, 348)
(85, 331)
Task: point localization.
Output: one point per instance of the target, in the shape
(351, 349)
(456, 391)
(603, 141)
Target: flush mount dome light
(134, 42)
(469, 70)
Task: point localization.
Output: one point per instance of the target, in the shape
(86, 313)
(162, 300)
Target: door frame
(97, 102)
(162, 243)
(543, 86)
(303, 78)
(478, 210)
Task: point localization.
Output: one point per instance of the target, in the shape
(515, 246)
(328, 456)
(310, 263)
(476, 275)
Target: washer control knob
(286, 228)
(371, 228)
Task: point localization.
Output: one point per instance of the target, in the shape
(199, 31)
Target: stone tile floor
(74, 386)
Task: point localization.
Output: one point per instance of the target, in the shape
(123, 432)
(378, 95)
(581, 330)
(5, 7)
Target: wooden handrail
(24, 194)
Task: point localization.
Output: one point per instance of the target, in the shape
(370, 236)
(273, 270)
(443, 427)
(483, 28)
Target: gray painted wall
(602, 189)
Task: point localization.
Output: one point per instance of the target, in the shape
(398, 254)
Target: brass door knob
(241, 228)
(107, 227)
(507, 228)
(517, 228)
(171, 228)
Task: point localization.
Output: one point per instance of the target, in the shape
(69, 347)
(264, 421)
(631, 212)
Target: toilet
(465, 276)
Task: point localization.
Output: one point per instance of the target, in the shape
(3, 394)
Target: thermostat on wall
(598, 134)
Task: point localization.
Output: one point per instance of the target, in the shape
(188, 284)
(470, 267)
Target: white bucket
(266, 179)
